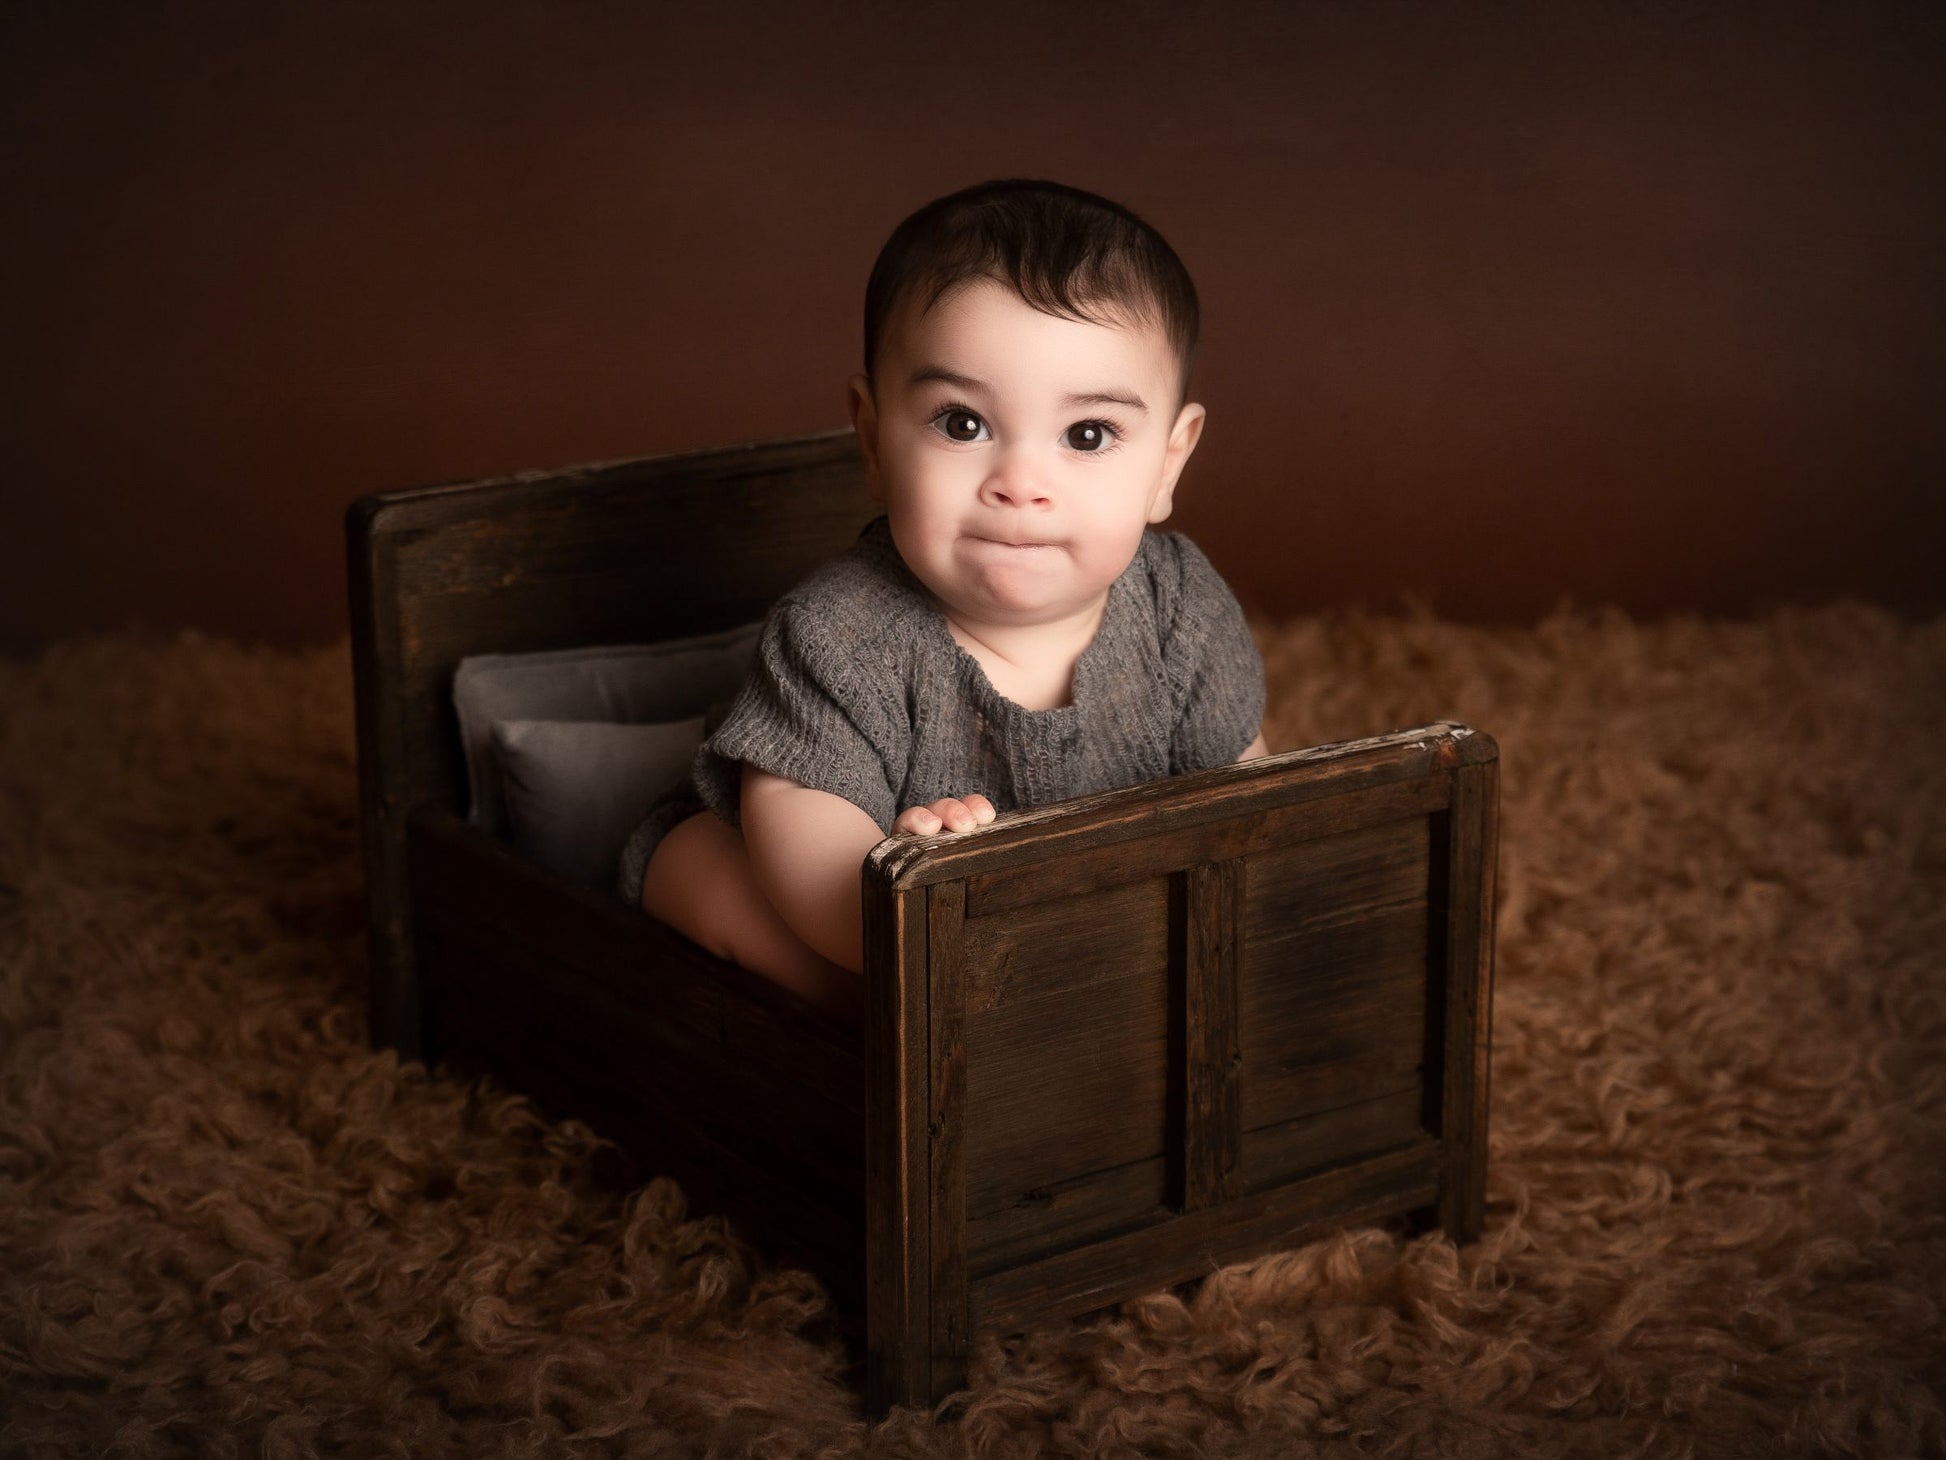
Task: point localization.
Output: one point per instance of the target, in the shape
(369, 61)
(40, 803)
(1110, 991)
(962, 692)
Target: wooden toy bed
(1108, 1046)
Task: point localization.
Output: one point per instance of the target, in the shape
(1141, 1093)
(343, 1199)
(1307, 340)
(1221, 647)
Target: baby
(1009, 632)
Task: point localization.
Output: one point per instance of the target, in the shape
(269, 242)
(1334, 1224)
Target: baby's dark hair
(1064, 251)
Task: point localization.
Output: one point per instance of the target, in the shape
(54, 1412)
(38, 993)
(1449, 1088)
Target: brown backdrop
(1502, 306)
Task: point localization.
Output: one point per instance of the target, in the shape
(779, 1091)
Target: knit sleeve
(817, 709)
(1215, 672)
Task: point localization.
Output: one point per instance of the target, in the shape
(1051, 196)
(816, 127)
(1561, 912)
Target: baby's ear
(864, 420)
(1183, 437)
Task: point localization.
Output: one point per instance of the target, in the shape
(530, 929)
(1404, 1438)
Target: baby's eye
(1089, 435)
(956, 423)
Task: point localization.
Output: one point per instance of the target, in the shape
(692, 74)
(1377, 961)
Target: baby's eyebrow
(945, 377)
(1108, 398)
(967, 383)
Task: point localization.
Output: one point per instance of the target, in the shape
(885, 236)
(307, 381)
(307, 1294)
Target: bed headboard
(622, 552)
(618, 552)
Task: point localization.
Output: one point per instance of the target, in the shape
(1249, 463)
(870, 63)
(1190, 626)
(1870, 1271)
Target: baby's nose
(1014, 483)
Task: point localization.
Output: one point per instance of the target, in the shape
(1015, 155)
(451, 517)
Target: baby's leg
(699, 882)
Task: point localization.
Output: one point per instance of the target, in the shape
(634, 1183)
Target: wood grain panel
(1064, 1214)
(1062, 948)
(1340, 878)
(1298, 1056)
(1352, 1132)
(1333, 990)
(1196, 1243)
(1128, 845)
(1067, 1059)
(1084, 1091)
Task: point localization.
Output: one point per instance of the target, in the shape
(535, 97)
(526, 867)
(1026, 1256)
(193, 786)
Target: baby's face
(1020, 455)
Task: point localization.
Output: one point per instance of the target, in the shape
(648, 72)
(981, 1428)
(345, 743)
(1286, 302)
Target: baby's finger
(981, 808)
(917, 821)
(953, 814)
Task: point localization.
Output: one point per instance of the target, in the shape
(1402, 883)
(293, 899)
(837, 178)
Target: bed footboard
(1117, 1043)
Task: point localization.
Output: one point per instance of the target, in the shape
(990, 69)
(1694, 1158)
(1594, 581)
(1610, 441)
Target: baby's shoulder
(861, 604)
(1182, 586)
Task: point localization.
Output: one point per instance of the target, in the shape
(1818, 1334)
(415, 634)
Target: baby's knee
(701, 884)
(691, 882)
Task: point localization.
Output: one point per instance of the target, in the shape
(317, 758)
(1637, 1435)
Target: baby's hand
(952, 813)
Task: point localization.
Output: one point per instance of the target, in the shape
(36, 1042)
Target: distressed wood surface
(1092, 1276)
(1072, 1062)
(1170, 1063)
(1335, 968)
(1245, 792)
(589, 556)
(1121, 846)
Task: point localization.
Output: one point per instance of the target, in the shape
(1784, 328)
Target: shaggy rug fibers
(1715, 1225)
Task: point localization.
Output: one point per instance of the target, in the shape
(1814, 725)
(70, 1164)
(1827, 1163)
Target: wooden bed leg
(397, 1018)
(917, 1314)
(898, 1324)
(945, 974)
(1471, 854)
(372, 578)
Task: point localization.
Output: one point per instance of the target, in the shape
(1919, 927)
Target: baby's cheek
(1109, 558)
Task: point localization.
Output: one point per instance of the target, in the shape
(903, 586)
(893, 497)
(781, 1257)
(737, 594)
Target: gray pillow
(627, 684)
(574, 791)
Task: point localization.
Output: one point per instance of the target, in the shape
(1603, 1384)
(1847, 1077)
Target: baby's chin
(1015, 599)
(1006, 571)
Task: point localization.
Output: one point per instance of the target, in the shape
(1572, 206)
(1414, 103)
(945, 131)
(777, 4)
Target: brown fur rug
(1717, 1201)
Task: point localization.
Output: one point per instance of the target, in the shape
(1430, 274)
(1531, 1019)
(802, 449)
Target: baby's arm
(1254, 749)
(806, 847)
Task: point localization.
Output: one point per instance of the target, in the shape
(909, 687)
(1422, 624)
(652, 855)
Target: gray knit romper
(861, 690)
